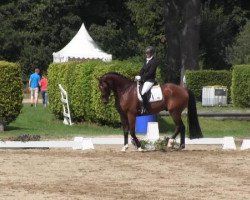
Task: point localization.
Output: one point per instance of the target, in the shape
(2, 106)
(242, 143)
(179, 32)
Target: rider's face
(148, 54)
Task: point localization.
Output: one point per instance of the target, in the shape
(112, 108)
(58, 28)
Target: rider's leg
(146, 87)
(144, 105)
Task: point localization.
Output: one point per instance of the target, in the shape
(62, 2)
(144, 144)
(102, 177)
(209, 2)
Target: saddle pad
(155, 93)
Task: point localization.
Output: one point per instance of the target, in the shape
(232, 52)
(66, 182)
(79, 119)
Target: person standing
(147, 76)
(34, 86)
(44, 84)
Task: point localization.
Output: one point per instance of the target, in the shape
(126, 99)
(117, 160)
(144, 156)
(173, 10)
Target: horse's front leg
(131, 121)
(125, 126)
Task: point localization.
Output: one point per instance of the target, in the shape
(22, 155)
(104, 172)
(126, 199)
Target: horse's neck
(120, 87)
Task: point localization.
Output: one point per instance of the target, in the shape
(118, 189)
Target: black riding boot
(144, 105)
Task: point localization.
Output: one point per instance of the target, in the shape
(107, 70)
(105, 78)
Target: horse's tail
(193, 122)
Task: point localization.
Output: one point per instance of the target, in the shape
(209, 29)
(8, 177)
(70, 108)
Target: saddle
(154, 94)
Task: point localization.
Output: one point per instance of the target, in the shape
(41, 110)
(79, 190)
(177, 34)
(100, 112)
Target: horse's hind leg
(179, 128)
(182, 131)
(170, 140)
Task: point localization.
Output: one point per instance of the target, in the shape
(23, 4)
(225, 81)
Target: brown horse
(175, 100)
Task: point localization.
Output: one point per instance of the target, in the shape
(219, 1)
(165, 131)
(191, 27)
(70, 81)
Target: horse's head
(105, 90)
(115, 82)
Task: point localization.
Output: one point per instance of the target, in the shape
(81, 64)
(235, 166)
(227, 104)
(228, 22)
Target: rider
(147, 76)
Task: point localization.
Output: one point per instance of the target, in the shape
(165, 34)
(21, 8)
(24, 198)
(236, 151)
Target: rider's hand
(137, 78)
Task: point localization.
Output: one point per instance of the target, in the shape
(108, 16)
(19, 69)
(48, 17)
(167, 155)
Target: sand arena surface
(106, 173)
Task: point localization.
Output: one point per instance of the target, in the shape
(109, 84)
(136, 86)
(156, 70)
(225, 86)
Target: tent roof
(82, 46)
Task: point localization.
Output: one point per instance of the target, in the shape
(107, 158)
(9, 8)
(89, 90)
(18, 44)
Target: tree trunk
(173, 58)
(190, 34)
(182, 21)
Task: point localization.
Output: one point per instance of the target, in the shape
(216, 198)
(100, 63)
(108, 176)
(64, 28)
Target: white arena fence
(227, 143)
(80, 143)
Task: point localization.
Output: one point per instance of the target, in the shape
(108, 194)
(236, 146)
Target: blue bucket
(141, 123)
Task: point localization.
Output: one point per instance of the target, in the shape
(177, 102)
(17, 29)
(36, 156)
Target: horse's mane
(121, 81)
(117, 74)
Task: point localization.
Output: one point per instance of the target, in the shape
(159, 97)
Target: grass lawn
(41, 121)
(213, 127)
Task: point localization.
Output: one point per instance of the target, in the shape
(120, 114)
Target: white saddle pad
(155, 93)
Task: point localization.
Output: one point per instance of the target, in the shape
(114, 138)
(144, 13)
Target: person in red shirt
(44, 84)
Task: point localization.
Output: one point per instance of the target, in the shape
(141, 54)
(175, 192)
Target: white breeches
(146, 87)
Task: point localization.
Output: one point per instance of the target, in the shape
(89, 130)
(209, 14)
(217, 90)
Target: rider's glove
(137, 78)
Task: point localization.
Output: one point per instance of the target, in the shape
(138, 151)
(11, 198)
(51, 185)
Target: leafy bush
(55, 77)
(80, 81)
(241, 85)
(198, 79)
(10, 91)
(75, 79)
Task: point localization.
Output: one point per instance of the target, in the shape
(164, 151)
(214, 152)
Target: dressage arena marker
(84, 143)
(79, 143)
(229, 143)
(245, 145)
(153, 131)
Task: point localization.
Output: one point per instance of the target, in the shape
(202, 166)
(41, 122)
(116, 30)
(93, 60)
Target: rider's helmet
(150, 50)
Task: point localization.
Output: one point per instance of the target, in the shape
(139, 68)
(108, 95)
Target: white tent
(82, 46)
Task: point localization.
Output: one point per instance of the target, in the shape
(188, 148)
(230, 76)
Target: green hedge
(80, 81)
(241, 86)
(75, 78)
(10, 91)
(196, 80)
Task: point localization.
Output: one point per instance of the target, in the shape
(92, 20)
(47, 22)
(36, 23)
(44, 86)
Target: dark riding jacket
(148, 71)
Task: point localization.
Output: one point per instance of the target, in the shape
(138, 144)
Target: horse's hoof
(182, 146)
(124, 148)
(171, 143)
(140, 149)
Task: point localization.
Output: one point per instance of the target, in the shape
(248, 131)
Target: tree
(147, 17)
(142, 25)
(114, 40)
(32, 30)
(239, 53)
(182, 20)
(218, 30)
